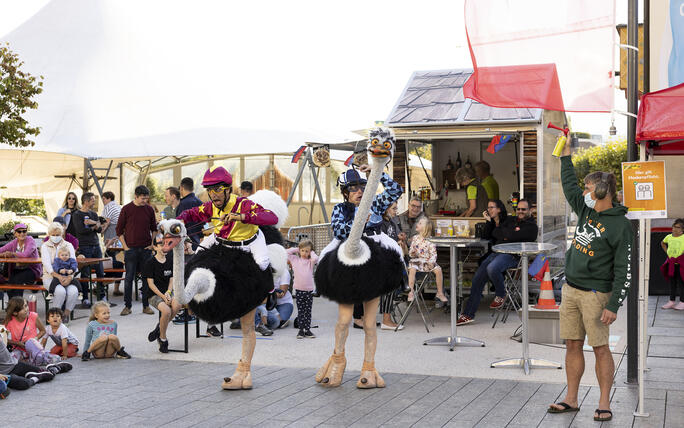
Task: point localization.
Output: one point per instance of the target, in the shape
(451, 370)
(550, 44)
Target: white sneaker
(384, 326)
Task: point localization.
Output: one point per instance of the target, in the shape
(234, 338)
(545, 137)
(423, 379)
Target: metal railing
(320, 234)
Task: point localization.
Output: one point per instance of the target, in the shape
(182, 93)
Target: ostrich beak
(379, 151)
(170, 242)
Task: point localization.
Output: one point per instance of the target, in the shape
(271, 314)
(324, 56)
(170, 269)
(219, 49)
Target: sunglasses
(20, 230)
(216, 190)
(356, 188)
(522, 209)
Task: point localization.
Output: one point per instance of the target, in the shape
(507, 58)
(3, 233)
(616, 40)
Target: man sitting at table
(519, 228)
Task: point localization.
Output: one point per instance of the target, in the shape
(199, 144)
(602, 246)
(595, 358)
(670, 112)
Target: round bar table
(524, 250)
(455, 244)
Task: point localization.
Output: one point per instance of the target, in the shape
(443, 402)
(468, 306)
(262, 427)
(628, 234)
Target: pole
(632, 155)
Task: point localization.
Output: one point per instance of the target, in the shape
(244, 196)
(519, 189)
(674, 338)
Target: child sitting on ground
(158, 272)
(673, 245)
(423, 257)
(65, 342)
(64, 264)
(101, 340)
(303, 259)
(22, 376)
(26, 329)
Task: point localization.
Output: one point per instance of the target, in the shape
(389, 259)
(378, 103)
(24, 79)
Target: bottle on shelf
(459, 163)
(468, 164)
(449, 165)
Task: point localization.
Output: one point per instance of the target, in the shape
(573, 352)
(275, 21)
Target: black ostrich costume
(240, 285)
(346, 284)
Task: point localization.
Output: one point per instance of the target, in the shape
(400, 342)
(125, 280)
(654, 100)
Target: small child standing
(26, 329)
(101, 340)
(65, 342)
(303, 259)
(673, 245)
(64, 264)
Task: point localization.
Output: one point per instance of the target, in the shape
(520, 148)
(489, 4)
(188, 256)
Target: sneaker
(679, 306)
(464, 319)
(41, 376)
(439, 303)
(147, 310)
(384, 326)
(179, 318)
(669, 305)
(50, 296)
(265, 331)
(295, 324)
(4, 394)
(300, 334)
(85, 356)
(61, 367)
(309, 335)
(235, 325)
(497, 302)
(126, 311)
(154, 334)
(164, 346)
(80, 296)
(284, 323)
(212, 331)
(122, 354)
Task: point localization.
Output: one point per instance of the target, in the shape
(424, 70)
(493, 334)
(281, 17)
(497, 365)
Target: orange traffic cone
(546, 298)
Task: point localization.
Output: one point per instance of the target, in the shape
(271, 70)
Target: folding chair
(422, 279)
(513, 302)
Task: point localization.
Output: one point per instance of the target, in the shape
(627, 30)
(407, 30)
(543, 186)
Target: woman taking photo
(70, 206)
(21, 246)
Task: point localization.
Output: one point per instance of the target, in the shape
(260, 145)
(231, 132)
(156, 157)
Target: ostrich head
(381, 144)
(174, 232)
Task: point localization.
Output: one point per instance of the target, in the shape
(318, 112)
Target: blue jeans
(492, 269)
(93, 251)
(134, 259)
(272, 321)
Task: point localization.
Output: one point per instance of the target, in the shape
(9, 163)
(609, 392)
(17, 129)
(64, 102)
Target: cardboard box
(463, 227)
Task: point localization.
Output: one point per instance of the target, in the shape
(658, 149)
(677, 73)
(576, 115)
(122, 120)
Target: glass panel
(130, 179)
(157, 182)
(336, 168)
(233, 167)
(308, 185)
(286, 172)
(257, 171)
(196, 172)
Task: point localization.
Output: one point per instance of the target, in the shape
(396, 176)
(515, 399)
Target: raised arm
(392, 193)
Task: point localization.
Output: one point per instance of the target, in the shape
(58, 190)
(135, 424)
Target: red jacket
(667, 269)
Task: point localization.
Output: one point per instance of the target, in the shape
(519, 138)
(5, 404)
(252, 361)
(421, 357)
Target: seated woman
(66, 291)
(66, 235)
(21, 246)
(423, 257)
(495, 215)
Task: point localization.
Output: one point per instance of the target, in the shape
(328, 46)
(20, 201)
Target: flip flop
(603, 419)
(565, 408)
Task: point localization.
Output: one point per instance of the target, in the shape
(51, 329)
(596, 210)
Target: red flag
(298, 154)
(556, 55)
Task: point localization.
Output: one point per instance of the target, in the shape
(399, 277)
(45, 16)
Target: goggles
(216, 189)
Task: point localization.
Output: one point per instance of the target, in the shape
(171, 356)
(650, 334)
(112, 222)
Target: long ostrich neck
(352, 248)
(179, 274)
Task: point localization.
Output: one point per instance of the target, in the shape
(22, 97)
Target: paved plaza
(177, 391)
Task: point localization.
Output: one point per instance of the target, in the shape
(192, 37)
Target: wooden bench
(29, 287)
(103, 281)
(114, 270)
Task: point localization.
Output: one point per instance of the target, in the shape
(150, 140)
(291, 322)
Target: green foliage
(17, 92)
(156, 192)
(7, 227)
(25, 206)
(607, 158)
(424, 151)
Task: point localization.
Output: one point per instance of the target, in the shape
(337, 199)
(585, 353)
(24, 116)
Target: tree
(607, 158)
(25, 206)
(17, 92)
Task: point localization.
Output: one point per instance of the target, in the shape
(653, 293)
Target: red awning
(660, 121)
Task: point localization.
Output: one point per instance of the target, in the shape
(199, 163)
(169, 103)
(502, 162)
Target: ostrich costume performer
(228, 279)
(361, 263)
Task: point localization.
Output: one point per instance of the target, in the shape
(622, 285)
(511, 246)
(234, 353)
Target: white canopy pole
(644, 243)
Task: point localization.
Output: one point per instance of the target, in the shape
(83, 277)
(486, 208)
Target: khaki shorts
(580, 315)
(155, 301)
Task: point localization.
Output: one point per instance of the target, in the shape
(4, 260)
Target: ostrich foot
(241, 379)
(332, 371)
(370, 378)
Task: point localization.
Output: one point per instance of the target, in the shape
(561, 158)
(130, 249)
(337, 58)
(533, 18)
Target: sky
(327, 66)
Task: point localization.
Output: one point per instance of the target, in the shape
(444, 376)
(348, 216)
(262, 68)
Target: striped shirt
(111, 211)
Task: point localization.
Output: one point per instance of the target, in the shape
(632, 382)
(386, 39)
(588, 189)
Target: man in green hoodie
(597, 269)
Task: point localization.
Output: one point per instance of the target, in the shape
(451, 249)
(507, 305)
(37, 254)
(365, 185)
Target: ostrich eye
(176, 229)
(387, 144)
(374, 141)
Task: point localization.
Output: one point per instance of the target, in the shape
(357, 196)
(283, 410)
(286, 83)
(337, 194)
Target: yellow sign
(643, 185)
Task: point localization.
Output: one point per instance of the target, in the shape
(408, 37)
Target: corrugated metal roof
(436, 97)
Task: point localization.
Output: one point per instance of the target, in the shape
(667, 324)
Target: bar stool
(422, 279)
(513, 302)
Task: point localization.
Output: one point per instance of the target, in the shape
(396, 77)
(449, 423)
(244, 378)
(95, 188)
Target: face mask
(56, 239)
(591, 203)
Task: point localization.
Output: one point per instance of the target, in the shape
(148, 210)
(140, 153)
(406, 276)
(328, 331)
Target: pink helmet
(217, 175)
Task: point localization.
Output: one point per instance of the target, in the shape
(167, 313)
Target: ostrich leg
(369, 376)
(242, 378)
(332, 371)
